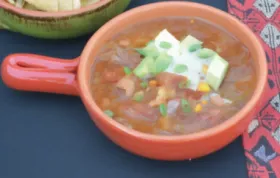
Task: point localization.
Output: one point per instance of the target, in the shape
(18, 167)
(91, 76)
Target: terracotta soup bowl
(59, 25)
(45, 74)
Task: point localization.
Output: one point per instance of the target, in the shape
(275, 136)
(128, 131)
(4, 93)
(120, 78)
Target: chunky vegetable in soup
(172, 76)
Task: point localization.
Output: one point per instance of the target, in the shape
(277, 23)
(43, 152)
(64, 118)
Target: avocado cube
(216, 72)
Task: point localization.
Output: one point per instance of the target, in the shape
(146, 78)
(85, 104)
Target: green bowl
(59, 25)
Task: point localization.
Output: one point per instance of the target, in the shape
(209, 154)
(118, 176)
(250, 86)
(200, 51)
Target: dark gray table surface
(52, 136)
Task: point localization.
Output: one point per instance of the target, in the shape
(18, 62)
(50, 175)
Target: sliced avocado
(206, 53)
(150, 50)
(188, 42)
(145, 67)
(216, 72)
(162, 62)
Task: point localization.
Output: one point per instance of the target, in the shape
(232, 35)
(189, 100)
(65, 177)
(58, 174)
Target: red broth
(159, 108)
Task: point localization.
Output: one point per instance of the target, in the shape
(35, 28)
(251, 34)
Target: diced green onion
(205, 53)
(109, 113)
(185, 106)
(138, 96)
(144, 84)
(184, 102)
(165, 45)
(127, 70)
(194, 47)
(180, 68)
(163, 109)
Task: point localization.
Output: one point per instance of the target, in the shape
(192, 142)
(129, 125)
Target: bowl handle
(29, 72)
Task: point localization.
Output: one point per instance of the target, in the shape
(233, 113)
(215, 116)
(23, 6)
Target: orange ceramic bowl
(37, 73)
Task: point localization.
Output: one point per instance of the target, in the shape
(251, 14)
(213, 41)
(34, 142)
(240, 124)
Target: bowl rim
(204, 134)
(61, 14)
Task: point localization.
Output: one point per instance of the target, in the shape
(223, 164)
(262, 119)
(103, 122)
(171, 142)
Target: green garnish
(144, 84)
(185, 105)
(165, 45)
(194, 47)
(163, 110)
(162, 62)
(190, 44)
(184, 84)
(205, 53)
(149, 50)
(109, 113)
(154, 61)
(216, 72)
(127, 70)
(184, 102)
(138, 96)
(180, 68)
(145, 68)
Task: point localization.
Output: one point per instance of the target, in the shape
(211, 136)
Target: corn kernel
(153, 83)
(198, 108)
(204, 102)
(205, 69)
(204, 87)
(192, 21)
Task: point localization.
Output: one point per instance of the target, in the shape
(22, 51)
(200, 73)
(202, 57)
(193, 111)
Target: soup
(51, 5)
(172, 76)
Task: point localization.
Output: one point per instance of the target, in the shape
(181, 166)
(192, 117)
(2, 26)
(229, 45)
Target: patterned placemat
(262, 140)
